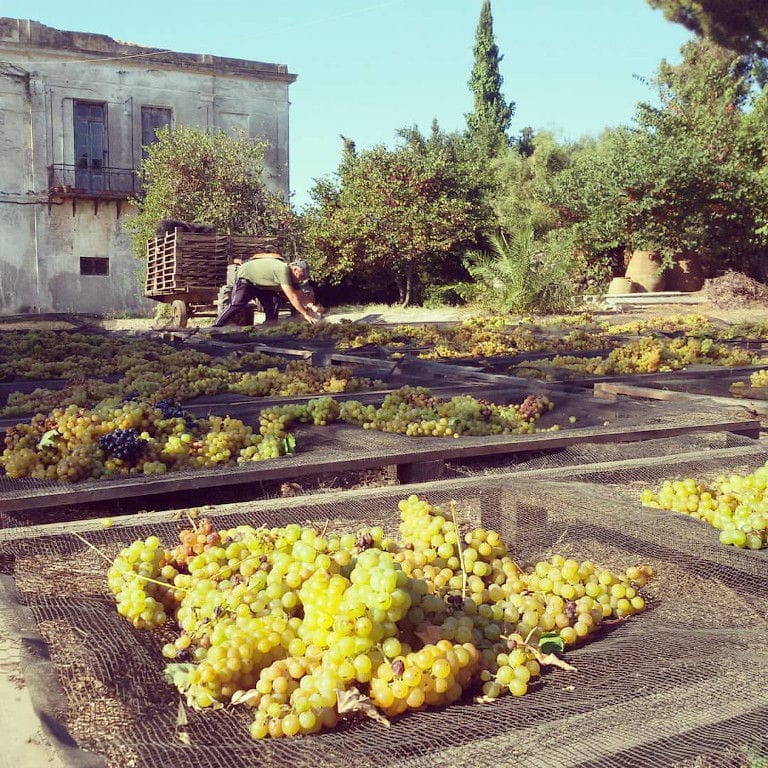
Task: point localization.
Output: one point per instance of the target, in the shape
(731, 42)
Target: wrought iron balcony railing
(75, 181)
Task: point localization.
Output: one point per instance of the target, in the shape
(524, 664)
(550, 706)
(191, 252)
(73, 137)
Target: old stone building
(75, 111)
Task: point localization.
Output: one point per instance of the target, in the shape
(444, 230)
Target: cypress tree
(491, 118)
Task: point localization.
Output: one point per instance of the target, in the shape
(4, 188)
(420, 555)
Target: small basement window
(94, 265)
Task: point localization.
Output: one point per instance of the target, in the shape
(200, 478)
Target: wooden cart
(187, 270)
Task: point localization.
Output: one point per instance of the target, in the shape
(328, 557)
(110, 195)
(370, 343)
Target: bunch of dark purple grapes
(171, 410)
(123, 444)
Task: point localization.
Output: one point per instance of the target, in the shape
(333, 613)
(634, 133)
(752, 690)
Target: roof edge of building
(32, 34)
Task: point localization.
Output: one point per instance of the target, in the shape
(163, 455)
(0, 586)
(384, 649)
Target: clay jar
(619, 285)
(644, 270)
(686, 273)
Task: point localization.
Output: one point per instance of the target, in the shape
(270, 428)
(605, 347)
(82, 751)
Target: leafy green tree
(491, 118)
(207, 177)
(396, 217)
(703, 189)
(741, 25)
(516, 197)
(686, 179)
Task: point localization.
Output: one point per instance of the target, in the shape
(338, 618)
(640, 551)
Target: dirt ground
(24, 742)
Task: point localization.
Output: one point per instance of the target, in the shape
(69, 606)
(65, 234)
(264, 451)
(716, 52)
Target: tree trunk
(407, 293)
(400, 290)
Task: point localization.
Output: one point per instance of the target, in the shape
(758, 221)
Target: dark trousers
(242, 293)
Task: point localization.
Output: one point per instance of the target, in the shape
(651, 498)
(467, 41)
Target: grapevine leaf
(545, 659)
(178, 675)
(289, 445)
(181, 725)
(551, 642)
(351, 701)
(244, 697)
(49, 438)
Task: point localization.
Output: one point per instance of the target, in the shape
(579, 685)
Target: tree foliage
(740, 25)
(687, 178)
(517, 198)
(488, 123)
(397, 217)
(207, 177)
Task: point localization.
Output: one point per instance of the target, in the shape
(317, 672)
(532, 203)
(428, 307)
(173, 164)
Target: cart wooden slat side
(187, 270)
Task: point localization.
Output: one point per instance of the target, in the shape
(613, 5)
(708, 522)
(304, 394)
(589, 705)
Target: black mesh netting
(681, 684)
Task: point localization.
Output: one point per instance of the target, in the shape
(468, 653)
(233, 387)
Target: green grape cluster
(413, 411)
(68, 354)
(291, 621)
(737, 505)
(141, 579)
(320, 411)
(161, 372)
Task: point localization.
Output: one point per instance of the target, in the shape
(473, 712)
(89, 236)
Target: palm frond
(517, 277)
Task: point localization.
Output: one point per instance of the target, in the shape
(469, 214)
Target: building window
(91, 152)
(152, 118)
(94, 265)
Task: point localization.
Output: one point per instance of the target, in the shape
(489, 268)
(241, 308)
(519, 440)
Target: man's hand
(311, 319)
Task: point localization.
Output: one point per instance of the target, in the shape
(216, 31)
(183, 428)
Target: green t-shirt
(265, 273)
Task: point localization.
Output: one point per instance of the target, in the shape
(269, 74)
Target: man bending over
(263, 277)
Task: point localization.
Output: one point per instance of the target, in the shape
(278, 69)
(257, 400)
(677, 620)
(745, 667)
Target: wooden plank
(720, 457)
(606, 390)
(611, 390)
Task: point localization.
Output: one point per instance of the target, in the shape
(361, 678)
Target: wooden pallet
(612, 390)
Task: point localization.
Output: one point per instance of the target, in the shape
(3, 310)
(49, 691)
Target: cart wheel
(179, 313)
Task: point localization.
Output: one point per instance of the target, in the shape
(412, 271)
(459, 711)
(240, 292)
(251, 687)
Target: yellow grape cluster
(155, 372)
(651, 355)
(81, 393)
(670, 324)
(759, 378)
(69, 354)
(72, 443)
(484, 337)
(737, 505)
(295, 623)
(300, 378)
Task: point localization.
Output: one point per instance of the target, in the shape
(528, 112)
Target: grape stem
(137, 575)
(460, 550)
(95, 549)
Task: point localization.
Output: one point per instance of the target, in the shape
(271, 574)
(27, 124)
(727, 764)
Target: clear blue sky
(368, 67)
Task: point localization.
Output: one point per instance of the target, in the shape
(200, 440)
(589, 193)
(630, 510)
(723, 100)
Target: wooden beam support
(611, 391)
